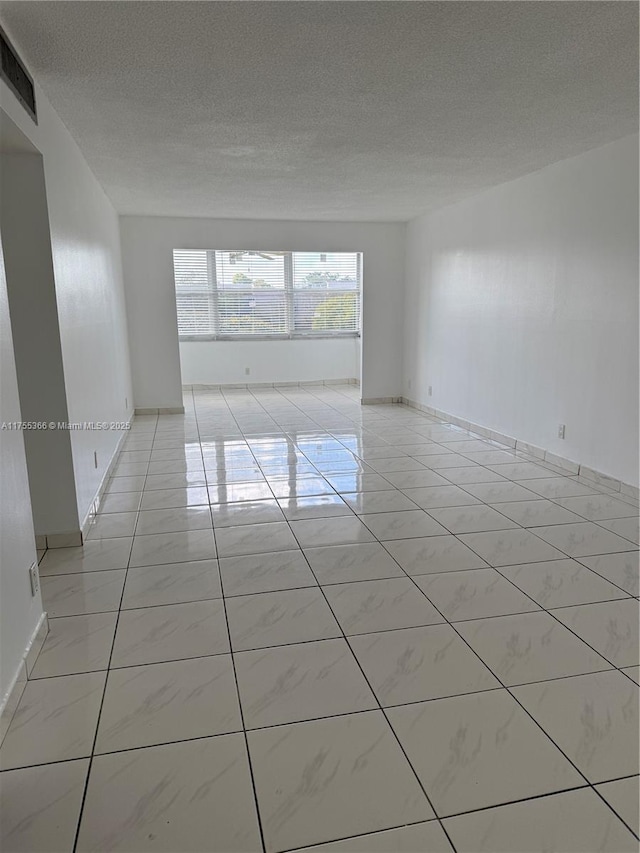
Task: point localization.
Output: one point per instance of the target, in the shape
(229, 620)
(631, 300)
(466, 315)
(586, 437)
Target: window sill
(226, 338)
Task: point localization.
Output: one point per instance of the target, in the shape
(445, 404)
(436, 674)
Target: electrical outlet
(561, 429)
(247, 371)
(34, 579)
(95, 458)
(126, 403)
(430, 390)
(409, 384)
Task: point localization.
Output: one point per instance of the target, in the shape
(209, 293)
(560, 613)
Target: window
(238, 294)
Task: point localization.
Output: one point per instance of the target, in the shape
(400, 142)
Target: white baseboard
(162, 410)
(95, 504)
(379, 401)
(568, 465)
(258, 385)
(13, 694)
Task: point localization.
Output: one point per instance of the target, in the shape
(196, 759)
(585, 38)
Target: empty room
(319, 442)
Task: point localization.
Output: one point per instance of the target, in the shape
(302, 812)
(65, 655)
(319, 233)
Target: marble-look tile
(134, 456)
(165, 702)
(55, 720)
(40, 807)
(438, 461)
(430, 497)
(466, 446)
(168, 798)
(471, 519)
(345, 563)
(621, 569)
(280, 618)
(348, 483)
(505, 492)
(570, 822)
(174, 583)
(122, 502)
(473, 594)
(632, 672)
(328, 779)
(416, 837)
(171, 632)
(628, 528)
(175, 520)
(412, 524)
(559, 487)
(522, 471)
(339, 531)
(597, 507)
(380, 605)
(175, 466)
(416, 479)
(92, 557)
(117, 485)
(433, 554)
(623, 796)
(279, 470)
(315, 506)
(611, 627)
(396, 463)
(255, 539)
(183, 480)
(174, 498)
(592, 718)
(300, 682)
(560, 583)
(583, 540)
(265, 573)
(130, 469)
(424, 448)
(176, 453)
(491, 457)
(112, 525)
(509, 547)
(300, 487)
(472, 474)
(469, 751)
(93, 592)
(372, 453)
(390, 500)
(246, 512)
(536, 513)
(529, 647)
(76, 644)
(162, 548)
(239, 492)
(416, 664)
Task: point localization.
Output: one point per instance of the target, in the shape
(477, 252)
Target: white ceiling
(327, 110)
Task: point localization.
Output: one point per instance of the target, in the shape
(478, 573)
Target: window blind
(237, 294)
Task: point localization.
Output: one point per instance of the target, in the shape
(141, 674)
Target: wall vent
(16, 76)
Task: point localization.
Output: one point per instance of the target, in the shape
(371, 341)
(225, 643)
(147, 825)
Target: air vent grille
(16, 76)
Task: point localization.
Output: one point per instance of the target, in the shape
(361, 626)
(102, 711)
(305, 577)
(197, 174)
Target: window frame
(213, 294)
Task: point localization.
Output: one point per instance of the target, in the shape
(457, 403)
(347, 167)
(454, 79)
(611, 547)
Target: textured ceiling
(327, 110)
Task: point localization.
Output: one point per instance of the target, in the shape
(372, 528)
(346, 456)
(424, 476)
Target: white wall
(147, 246)
(522, 309)
(89, 292)
(19, 610)
(298, 360)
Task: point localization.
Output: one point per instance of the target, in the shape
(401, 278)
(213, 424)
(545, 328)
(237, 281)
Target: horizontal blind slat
(244, 293)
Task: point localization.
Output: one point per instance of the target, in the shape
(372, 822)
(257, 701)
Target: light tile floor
(299, 623)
